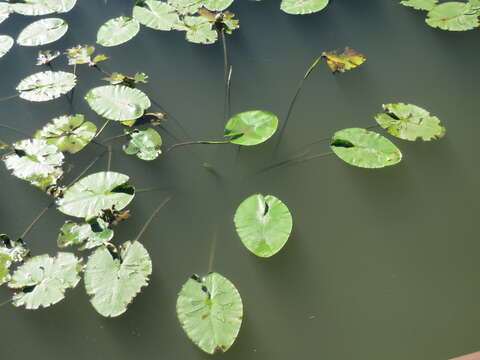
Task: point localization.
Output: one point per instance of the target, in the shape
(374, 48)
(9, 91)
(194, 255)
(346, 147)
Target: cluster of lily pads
(209, 307)
(451, 15)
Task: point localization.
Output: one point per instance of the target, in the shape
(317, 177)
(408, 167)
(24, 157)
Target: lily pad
(199, 30)
(145, 144)
(47, 85)
(453, 16)
(117, 31)
(4, 11)
(264, 224)
(83, 54)
(210, 311)
(217, 5)
(185, 7)
(96, 192)
(42, 280)
(114, 280)
(366, 149)
(6, 43)
(156, 14)
(31, 8)
(69, 133)
(251, 127)
(409, 122)
(348, 60)
(420, 4)
(10, 252)
(42, 32)
(118, 102)
(302, 7)
(60, 6)
(90, 235)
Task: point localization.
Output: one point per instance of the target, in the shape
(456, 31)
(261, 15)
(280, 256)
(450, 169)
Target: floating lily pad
(4, 11)
(409, 122)
(83, 54)
(47, 85)
(453, 16)
(251, 127)
(185, 7)
(217, 5)
(264, 224)
(90, 235)
(348, 60)
(42, 32)
(94, 193)
(113, 281)
(10, 252)
(199, 30)
(31, 7)
(210, 311)
(302, 7)
(420, 4)
(156, 14)
(6, 43)
(366, 149)
(145, 144)
(117, 31)
(60, 6)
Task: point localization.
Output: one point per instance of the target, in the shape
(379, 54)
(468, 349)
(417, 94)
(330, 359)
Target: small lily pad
(251, 127)
(302, 7)
(453, 16)
(47, 85)
(199, 30)
(117, 31)
(42, 32)
(6, 43)
(145, 144)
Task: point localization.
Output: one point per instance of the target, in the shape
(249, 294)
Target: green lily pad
(199, 30)
(453, 16)
(113, 281)
(420, 4)
(42, 280)
(118, 102)
(156, 14)
(117, 31)
(83, 54)
(6, 43)
(91, 235)
(47, 85)
(145, 144)
(264, 224)
(210, 311)
(409, 122)
(366, 149)
(96, 192)
(42, 32)
(251, 127)
(217, 5)
(10, 252)
(31, 8)
(69, 133)
(185, 7)
(302, 7)
(4, 11)
(60, 6)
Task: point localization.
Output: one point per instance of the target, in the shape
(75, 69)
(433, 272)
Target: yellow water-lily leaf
(348, 60)
(129, 123)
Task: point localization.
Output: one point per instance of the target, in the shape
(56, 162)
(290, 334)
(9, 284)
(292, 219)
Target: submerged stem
(147, 223)
(13, 129)
(213, 142)
(295, 160)
(213, 249)
(87, 168)
(102, 128)
(37, 218)
(9, 97)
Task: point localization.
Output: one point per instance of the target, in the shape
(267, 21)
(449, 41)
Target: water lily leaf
(42, 32)
(4, 11)
(47, 85)
(210, 311)
(92, 234)
(225, 20)
(130, 81)
(96, 192)
(217, 5)
(68, 133)
(251, 127)
(5, 263)
(113, 280)
(118, 102)
(348, 60)
(475, 4)
(185, 7)
(6, 43)
(31, 8)
(366, 149)
(301, 7)
(156, 14)
(117, 31)
(10, 252)
(45, 57)
(35, 161)
(453, 16)
(199, 30)
(42, 280)
(409, 122)
(264, 224)
(420, 4)
(60, 6)
(82, 54)
(144, 143)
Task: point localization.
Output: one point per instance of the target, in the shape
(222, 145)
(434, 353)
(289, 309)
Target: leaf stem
(147, 223)
(37, 218)
(295, 160)
(9, 97)
(213, 249)
(102, 128)
(213, 142)
(14, 129)
(87, 168)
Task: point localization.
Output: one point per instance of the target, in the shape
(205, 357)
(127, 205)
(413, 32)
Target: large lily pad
(117, 31)
(42, 32)
(420, 4)
(409, 122)
(90, 235)
(145, 144)
(251, 127)
(47, 85)
(156, 14)
(68, 133)
(453, 16)
(96, 192)
(366, 149)
(42, 280)
(210, 311)
(118, 102)
(6, 43)
(264, 224)
(302, 7)
(114, 280)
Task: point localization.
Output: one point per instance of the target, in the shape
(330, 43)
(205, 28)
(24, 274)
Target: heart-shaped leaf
(47, 85)
(117, 31)
(42, 32)
(251, 127)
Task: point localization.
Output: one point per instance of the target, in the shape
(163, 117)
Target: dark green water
(382, 264)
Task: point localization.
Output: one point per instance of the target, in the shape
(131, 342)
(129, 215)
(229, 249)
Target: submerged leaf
(42, 280)
(264, 224)
(42, 32)
(68, 133)
(302, 7)
(156, 14)
(114, 280)
(348, 60)
(93, 234)
(45, 57)
(144, 143)
(117, 31)
(210, 311)
(366, 149)
(409, 122)
(453, 16)
(6, 43)
(199, 30)
(47, 85)
(118, 102)
(251, 127)
(420, 4)
(96, 192)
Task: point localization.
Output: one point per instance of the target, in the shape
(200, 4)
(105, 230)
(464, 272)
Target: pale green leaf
(145, 144)
(453, 16)
(251, 127)
(117, 31)
(96, 192)
(199, 30)
(301, 7)
(42, 32)
(114, 281)
(156, 14)
(409, 122)
(6, 43)
(45, 57)
(420, 4)
(217, 5)
(4, 11)
(31, 7)
(60, 6)
(264, 224)
(47, 85)
(42, 280)
(210, 311)
(10, 252)
(92, 234)
(185, 7)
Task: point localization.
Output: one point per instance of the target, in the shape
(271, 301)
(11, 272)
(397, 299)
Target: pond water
(382, 264)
